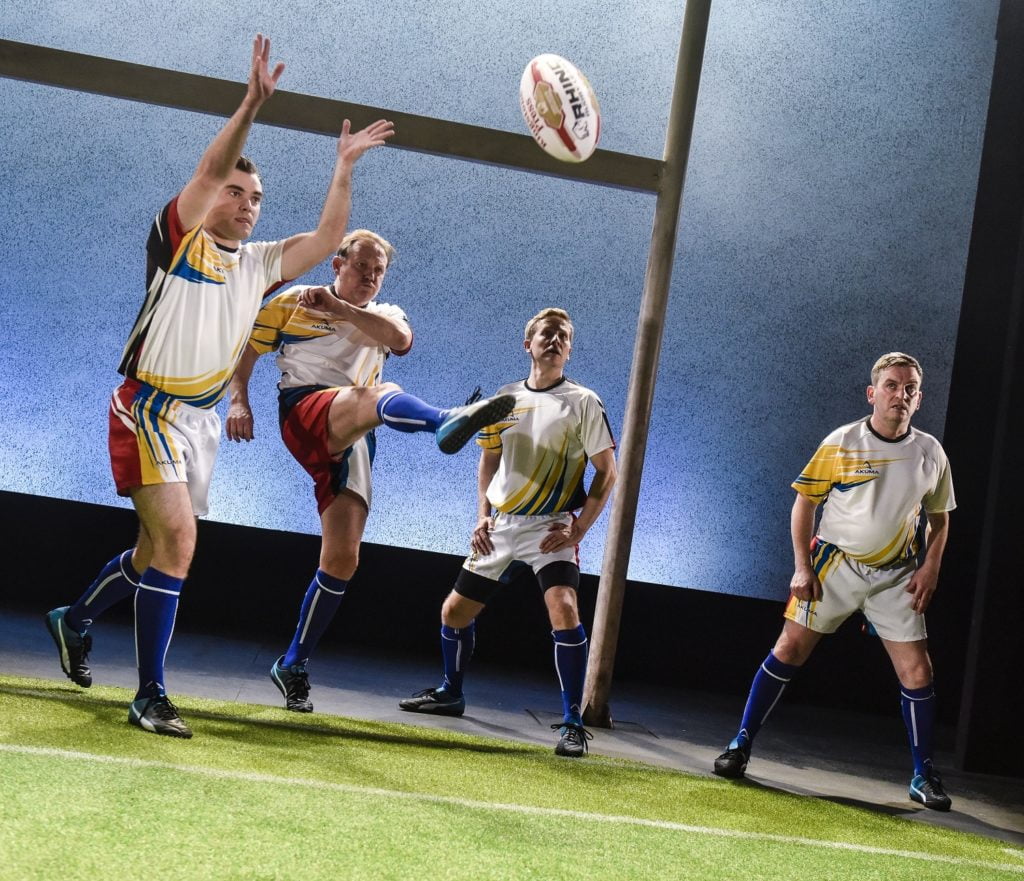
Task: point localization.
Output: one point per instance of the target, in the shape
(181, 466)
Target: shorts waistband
(547, 516)
(159, 397)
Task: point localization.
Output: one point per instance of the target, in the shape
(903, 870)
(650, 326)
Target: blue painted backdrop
(826, 220)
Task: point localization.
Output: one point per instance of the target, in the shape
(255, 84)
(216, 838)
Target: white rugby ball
(560, 108)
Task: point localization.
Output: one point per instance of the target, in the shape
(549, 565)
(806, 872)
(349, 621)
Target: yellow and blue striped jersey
(874, 490)
(200, 303)
(315, 351)
(545, 444)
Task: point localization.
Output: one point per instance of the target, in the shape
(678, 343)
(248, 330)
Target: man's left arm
(392, 331)
(597, 497)
(304, 251)
(926, 578)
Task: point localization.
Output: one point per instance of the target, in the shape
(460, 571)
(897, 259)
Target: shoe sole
(569, 755)
(274, 677)
(433, 709)
(496, 409)
(57, 635)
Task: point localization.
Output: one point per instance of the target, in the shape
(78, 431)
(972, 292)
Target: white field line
(498, 806)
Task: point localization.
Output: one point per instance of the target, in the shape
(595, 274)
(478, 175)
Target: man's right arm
(804, 585)
(217, 163)
(239, 425)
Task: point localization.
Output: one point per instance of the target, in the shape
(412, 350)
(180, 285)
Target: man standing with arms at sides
(333, 344)
(531, 477)
(204, 289)
(876, 476)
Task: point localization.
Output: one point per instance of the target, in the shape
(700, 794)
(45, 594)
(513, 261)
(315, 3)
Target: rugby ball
(560, 108)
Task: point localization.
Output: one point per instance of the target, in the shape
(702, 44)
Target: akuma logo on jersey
(867, 469)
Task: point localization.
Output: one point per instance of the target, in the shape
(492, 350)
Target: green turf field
(261, 794)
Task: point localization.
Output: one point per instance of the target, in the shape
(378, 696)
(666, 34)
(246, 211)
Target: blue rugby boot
(461, 423)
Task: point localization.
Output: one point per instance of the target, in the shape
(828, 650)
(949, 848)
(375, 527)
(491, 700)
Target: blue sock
(571, 666)
(918, 705)
(404, 412)
(457, 644)
(323, 596)
(766, 689)
(116, 581)
(156, 605)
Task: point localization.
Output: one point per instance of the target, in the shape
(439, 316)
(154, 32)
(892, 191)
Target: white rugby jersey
(314, 352)
(545, 443)
(874, 490)
(200, 303)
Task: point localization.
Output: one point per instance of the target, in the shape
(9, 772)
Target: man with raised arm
(333, 342)
(205, 284)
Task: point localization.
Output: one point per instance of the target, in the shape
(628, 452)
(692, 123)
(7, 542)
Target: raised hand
(262, 81)
(352, 146)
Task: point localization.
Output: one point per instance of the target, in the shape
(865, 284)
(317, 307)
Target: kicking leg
(356, 410)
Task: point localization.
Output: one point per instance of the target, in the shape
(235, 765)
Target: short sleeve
(941, 497)
(595, 431)
(815, 481)
(271, 320)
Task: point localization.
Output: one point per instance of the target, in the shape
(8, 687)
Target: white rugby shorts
(517, 538)
(848, 586)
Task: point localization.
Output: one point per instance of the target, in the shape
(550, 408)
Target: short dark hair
(245, 164)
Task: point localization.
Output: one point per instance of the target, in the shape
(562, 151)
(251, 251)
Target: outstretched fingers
(263, 81)
(352, 145)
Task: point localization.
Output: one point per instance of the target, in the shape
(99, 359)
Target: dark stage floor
(844, 757)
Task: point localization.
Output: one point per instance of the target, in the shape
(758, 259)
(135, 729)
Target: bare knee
(562, 610)
(340, 562)
(173, 547)
(795, 644)
(915, 672)
(459, 611)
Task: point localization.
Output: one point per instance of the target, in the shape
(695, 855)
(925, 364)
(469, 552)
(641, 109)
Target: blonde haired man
(333, 342)
(877, 476)
(530, 483)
